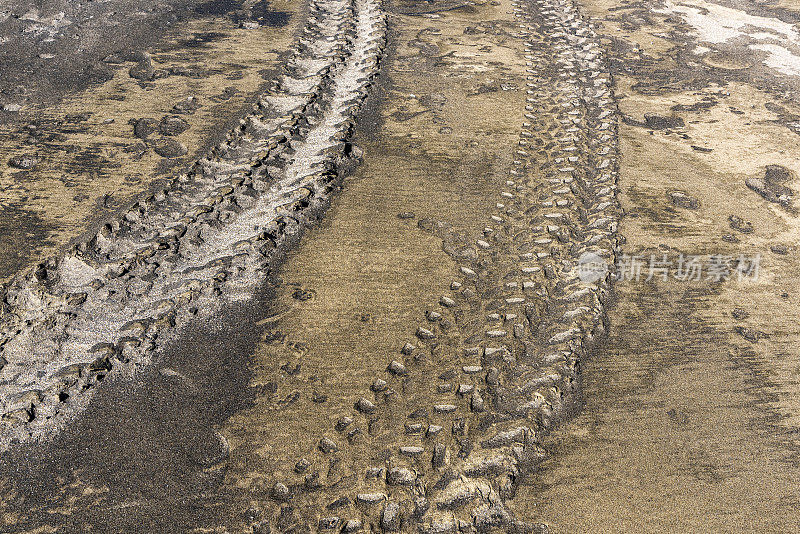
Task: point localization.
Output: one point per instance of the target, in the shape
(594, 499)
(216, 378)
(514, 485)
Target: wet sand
(87, 162)
(690, 411)
(689, 423)
(371, 273)
(354, 290)
(679, 432)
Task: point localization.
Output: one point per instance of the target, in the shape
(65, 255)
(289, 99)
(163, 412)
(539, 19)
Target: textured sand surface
(320, 267)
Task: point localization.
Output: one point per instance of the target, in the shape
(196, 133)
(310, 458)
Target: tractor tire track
(457, 419)
(208, 239)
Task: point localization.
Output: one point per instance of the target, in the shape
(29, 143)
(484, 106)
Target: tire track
(206, 240)
(457, 418)
(504, 343)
